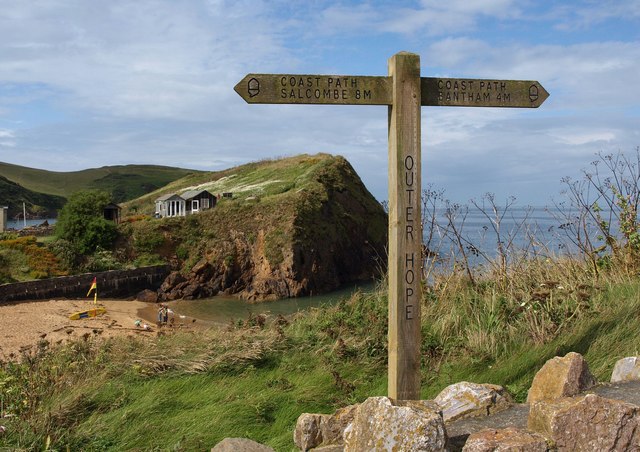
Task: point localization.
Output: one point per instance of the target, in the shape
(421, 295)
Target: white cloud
(571, 17)
(95, 83)
(591, 75)
(139, 59)
(581, 137)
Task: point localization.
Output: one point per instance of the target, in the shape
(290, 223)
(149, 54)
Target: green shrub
(147, 259)
(274, 241)
(147, 237)
(102, 260)
(81, 222)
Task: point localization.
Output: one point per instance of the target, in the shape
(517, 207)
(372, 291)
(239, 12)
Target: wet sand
(23, 324)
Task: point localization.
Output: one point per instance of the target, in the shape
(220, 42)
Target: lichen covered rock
(561, 377)
(589, 423)
(240, 445)
(503, 440)
(626, 369)
(322, 430)
(466, 399)
(381, 424)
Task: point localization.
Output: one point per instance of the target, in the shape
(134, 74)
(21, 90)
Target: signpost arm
(405, 230)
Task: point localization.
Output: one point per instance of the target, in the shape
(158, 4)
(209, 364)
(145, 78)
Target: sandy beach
(23, 324)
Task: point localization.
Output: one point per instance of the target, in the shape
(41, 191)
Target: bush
(102, 260)
(81, 222)
(147, 237)
(31, 259)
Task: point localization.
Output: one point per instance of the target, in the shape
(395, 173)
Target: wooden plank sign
(404, 92)
(457, 92)
(314, 89)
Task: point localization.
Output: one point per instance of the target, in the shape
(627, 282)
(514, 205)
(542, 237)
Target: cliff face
(310, 228)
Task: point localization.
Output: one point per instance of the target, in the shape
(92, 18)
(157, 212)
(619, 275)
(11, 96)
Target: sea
(20, 224)
(480, 236)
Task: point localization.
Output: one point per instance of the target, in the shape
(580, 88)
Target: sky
(87, 84)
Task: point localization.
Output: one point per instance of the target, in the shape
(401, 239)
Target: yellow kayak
(88, 313)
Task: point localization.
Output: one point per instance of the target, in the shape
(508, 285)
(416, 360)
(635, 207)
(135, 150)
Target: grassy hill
(293, 226)
(262, 179)
(13, 195)
(123, 181)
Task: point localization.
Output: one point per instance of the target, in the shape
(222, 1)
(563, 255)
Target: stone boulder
(307, 434)
(465, 399)
(240, 445)
(202, 271)
(148, 296)
(323, 430)
(503, 440)
(172, 281)
(626, 369)
(384, 424)
(561, 377)
(587, 423)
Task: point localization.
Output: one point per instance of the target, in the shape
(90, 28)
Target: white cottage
(170, 205)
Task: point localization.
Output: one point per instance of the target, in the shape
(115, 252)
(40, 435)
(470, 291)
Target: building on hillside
(197, 200)
(191, 201)
(112, 212)
(3, 218)
(170, 205)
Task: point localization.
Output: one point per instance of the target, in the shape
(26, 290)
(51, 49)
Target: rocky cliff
(292, 227)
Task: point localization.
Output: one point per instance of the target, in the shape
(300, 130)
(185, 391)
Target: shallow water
(223, 309)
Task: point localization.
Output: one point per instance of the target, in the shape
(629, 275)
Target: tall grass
(186, 391)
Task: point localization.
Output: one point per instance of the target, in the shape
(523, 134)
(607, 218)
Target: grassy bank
(187, 391)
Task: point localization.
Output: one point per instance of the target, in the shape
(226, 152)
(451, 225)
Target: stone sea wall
(111, 284)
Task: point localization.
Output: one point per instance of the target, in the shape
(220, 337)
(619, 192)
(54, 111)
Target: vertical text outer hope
(405, 235)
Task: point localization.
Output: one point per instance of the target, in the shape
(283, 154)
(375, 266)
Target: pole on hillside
(405, 228)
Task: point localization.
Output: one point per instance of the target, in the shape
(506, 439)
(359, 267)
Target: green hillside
(123, 181)
(13, 195)
(262, 179)
(292, 226)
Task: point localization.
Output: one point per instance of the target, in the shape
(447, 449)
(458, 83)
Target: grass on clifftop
(262, 180)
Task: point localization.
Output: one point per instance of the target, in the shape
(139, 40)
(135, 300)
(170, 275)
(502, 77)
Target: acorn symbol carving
(533, 93)
(254, 87)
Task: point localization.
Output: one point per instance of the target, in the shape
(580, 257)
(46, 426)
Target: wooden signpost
(404, 91)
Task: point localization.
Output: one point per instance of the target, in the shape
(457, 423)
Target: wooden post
(404, 92)
(405, 228)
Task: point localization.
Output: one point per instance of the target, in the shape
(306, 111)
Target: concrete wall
(111, 284)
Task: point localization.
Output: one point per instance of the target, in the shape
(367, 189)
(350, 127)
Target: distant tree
(81, 222)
